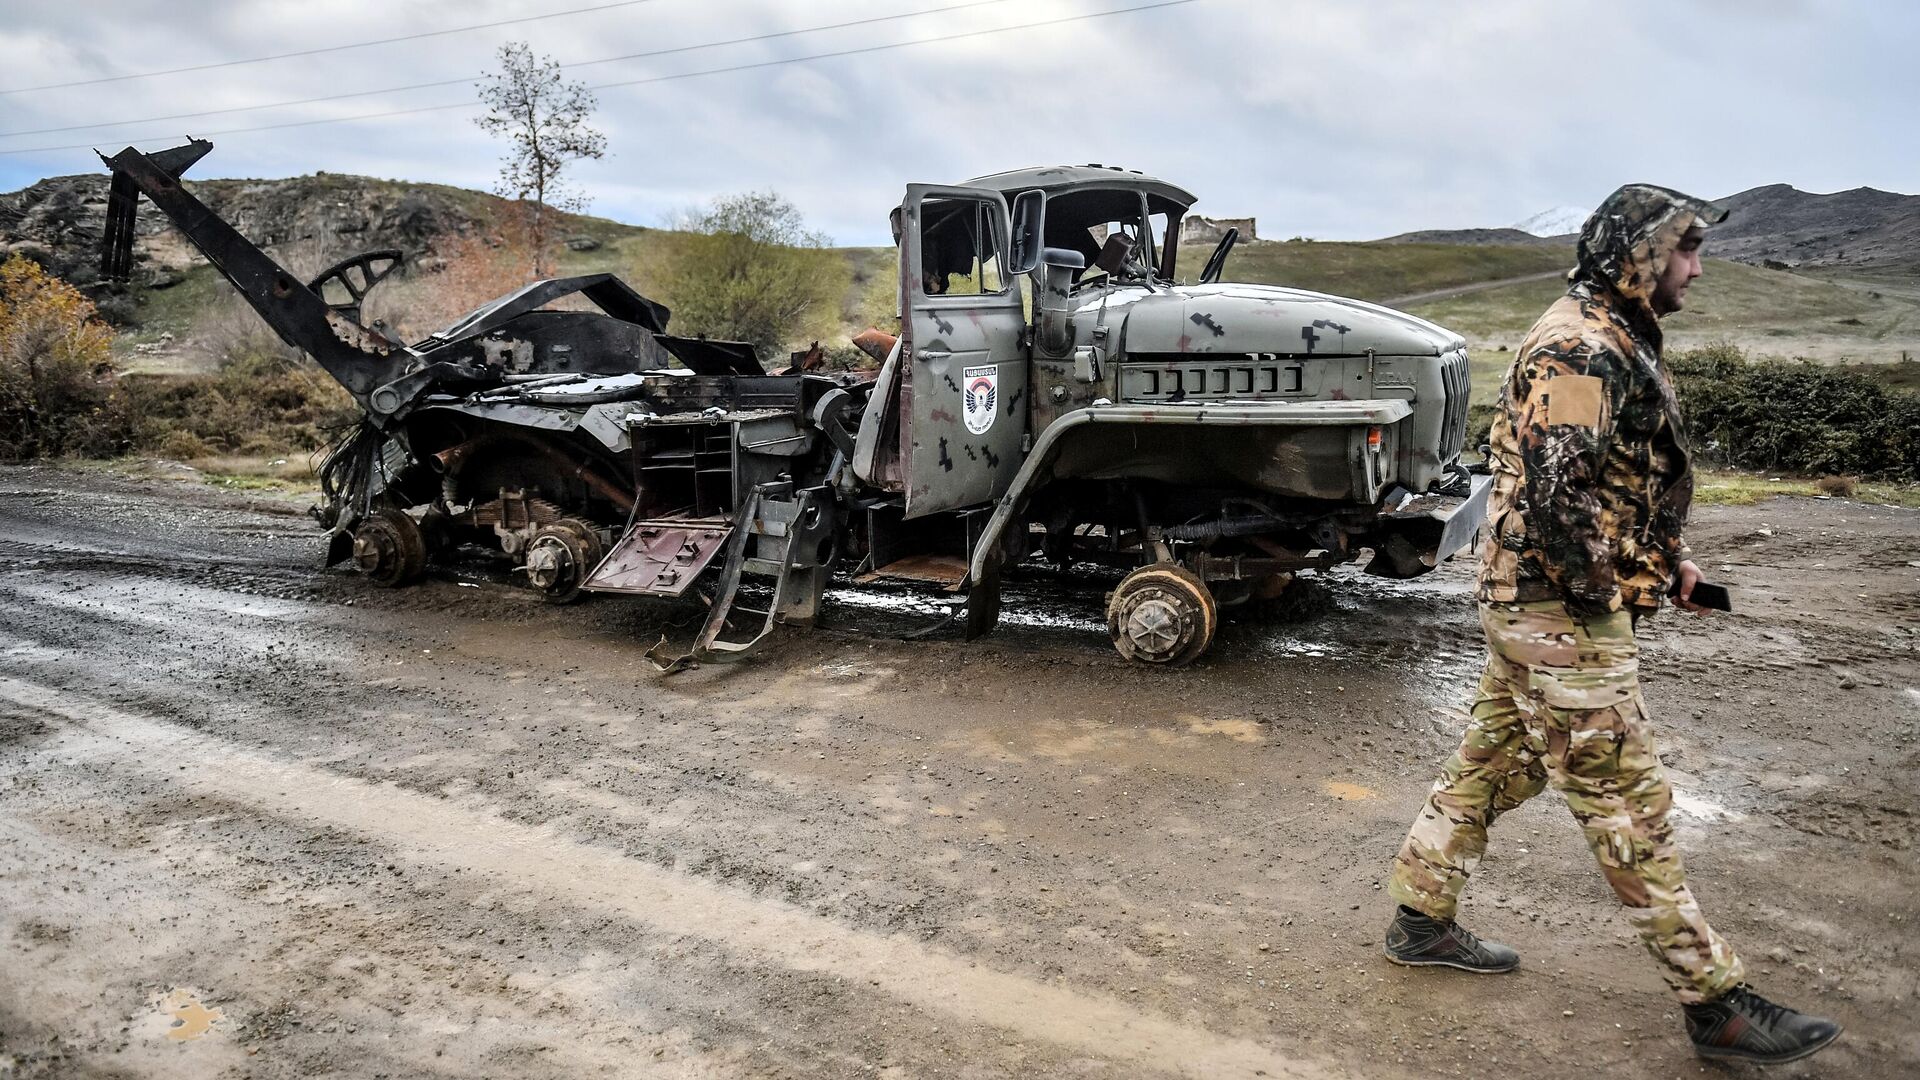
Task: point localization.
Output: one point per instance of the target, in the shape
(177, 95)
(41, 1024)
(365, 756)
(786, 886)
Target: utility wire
(327, 48)
(469, 79)
(657, 78)
(898, 44)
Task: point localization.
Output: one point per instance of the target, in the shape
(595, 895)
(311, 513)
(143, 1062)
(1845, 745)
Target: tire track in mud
(530, 859)
(279, 961)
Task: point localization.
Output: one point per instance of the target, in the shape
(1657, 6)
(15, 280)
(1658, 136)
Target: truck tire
(1162, 614)
(388, 548)
(560, 558)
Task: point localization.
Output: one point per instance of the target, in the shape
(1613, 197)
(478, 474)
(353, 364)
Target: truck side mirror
(1052, 307)
(1029, 219)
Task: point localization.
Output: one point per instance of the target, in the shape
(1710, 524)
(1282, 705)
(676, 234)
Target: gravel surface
(262, 819)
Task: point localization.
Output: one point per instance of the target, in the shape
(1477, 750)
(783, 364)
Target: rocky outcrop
(307, 223)
(325, 217)
(56, 223)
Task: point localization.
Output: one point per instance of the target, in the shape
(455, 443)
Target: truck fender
(987, 558)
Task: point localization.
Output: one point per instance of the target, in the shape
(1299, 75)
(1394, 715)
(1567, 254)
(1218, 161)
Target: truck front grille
(1222, 378)
(1456, 385)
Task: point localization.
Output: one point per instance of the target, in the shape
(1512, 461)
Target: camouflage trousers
(1560, 700)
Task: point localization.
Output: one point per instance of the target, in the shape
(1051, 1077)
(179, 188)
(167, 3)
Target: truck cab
(1054, 375)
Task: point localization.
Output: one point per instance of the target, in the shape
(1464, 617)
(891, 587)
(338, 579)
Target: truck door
(964, 383)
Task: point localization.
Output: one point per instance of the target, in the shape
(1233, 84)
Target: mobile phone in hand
(1708, 595)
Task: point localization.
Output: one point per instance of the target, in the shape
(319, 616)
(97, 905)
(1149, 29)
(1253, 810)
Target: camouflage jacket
(1592, 478)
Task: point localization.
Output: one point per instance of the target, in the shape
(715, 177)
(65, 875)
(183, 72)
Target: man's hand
(1686, 575)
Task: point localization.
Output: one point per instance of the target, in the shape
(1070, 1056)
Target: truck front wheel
(1162, 614)
(388, 548)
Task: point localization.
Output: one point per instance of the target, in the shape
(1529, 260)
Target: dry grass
(1375, 271)
(290, 475)
(1724, 487)
(285, 485)
(1765, 312)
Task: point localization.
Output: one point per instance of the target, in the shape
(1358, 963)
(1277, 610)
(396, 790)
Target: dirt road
(1465, 290)
(260, 819)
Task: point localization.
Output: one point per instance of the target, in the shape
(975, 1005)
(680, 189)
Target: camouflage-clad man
(1591, 488)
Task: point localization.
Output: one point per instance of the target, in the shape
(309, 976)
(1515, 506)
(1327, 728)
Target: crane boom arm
(362, 360)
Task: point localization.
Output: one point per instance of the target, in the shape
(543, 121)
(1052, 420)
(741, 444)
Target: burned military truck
(1052, 393)
(1212, 438)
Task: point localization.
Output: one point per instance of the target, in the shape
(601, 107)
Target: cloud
(1335, 120)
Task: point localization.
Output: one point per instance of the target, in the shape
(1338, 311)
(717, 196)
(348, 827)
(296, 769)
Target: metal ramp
(780, 535)
(661, 557)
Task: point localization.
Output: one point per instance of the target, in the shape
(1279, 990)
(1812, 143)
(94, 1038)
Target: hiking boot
(1418, 940)
(1743, 1025)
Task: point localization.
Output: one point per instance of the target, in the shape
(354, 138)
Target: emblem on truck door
(982, 393)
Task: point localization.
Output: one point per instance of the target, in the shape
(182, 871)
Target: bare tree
(545, 122)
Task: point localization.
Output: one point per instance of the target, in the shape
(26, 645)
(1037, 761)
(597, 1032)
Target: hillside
(1379, 271)
(1478, 237)
(323, 217)
(1862, 306)
(1861, 229)
(305, 222)
(1766, 312)
(175, 299)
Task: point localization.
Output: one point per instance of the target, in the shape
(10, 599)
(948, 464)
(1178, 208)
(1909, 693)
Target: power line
(469, 79)
(657, 78)
(327, 48)
(898, 44)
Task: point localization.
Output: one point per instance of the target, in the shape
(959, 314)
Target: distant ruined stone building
(1198, 229)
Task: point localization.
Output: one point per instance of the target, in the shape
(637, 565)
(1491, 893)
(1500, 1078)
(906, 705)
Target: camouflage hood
(1592, 474)
(1625, 244)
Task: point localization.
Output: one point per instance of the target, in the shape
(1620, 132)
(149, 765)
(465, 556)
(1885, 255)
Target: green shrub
(1790, 416)
(1796, 416)
(181, 446)
(254, 405)
(1479, 426)
(750, 270)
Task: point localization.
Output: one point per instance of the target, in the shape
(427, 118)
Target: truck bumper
(1440, 526)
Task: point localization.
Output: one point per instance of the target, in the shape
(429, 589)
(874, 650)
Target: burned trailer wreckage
(546, 434)
(1051, 393)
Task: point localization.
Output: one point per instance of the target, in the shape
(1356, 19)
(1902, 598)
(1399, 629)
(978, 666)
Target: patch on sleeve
(1575, 400)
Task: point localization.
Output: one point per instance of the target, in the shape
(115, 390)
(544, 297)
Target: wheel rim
(373, 547)
(1153, 625)
(549, 564)
(1161, 614)
(387, 547)
(560, 558)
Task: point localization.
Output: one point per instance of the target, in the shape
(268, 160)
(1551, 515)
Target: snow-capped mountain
(1558, 221)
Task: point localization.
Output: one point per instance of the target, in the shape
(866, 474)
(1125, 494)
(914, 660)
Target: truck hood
(1262, 318)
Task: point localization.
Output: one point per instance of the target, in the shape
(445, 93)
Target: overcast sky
(1329, 119)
